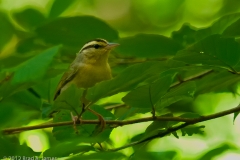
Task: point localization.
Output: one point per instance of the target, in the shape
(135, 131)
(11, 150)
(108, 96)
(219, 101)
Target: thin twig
(198, 76)
(152, 105)
(114, 106)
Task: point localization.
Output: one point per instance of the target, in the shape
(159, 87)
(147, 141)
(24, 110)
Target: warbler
(89, 67)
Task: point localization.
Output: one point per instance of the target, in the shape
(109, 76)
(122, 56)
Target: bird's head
(96, 51)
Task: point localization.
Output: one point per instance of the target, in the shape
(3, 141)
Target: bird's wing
(67, 77)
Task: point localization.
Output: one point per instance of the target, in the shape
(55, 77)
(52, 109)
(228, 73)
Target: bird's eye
(96, 46)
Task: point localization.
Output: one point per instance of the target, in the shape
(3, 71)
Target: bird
(88, 68)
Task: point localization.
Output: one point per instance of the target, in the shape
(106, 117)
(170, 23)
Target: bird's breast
(88, 75)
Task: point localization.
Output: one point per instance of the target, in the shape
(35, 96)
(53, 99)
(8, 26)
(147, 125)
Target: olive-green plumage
(89, 67)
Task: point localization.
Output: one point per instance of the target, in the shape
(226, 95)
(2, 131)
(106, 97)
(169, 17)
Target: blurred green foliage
(162, 43)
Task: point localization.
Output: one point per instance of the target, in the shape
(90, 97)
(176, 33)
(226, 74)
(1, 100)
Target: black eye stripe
(96, 46)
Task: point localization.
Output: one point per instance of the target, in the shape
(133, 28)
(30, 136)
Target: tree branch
(112, 123)
(116, 123)
(173, 129)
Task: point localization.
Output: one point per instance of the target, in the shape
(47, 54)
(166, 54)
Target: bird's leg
(84, 101)
(83, 110)
(85, 106)
(75, 120)
(100, 118)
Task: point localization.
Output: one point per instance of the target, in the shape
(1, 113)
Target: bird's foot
(76, 120)
(101, 120)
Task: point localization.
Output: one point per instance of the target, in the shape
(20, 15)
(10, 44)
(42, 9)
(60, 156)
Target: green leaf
(27, 98)
(192, 130)
(64, 149)
(18, 112)
(28, 73)
(99, 156)
(235, 116)
(164, 155)
(6, 30)
(46, 109)
(12, 148)
(83, 133)
(185, 90)
(185, 35)
(146, 96)
(219, 27)
(216, 151)
(75, 31)
(29, 18)
(223, 81)
(93, 130)
(157, 126)
(233, 29)
(189, 34)
(64, 133)
(69, 99)
(126, 80)
(148, 45)
(213, 50)
(30, 44)
(34, 68)
(190, 115)
(138, 98)
(47, 88)
(59, 6)
(175, 134)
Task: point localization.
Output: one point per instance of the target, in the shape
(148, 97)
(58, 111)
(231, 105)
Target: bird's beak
(112, 45)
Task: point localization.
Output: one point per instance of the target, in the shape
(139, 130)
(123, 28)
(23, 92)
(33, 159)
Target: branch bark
(173, 129)
(117, 123)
